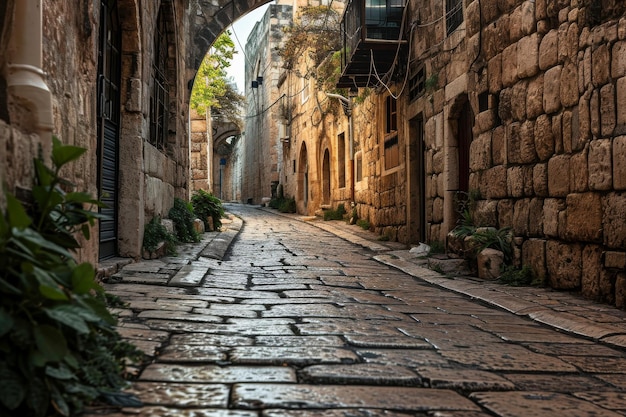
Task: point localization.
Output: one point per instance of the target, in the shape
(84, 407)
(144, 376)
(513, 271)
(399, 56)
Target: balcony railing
(370, 28)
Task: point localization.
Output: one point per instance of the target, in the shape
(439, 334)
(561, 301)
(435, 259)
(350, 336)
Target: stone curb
(489, 293)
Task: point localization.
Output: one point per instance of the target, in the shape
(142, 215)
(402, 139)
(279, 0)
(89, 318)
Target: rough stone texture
(534, 255)
(584, 217)
(600, 167)
(551, 89)
(558, 176)
(489, 262)
(564, 265)
(614, 213)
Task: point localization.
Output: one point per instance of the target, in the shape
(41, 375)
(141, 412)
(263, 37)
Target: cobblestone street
(303, 319)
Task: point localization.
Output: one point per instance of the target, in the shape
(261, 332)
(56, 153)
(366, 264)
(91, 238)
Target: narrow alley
(295, 321)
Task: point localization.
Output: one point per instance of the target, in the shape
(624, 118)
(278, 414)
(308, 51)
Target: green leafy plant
(183, 216)
(59, 349)
(155, 233)
(336, 214)
(363, 224)
(518, 277)
(206, 205)
(436, 246)
(283, 204)
(500, 239)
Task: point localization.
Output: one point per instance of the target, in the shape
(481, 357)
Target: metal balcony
(371, 38)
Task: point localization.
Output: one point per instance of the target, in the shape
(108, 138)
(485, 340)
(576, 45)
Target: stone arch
(302, 200)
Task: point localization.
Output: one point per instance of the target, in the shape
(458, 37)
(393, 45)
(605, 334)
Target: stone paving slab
(360, 374)
(518, 404)
(179, 412)
(188, 276)
(291, 355)
(311, 325)
(181, 395)
(217, 374)
(350, 412)
(259, 396)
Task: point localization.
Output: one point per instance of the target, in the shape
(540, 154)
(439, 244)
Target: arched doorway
(326, 178)
(303, 180)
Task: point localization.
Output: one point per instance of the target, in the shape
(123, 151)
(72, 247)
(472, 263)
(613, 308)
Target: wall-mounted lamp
(255, 84)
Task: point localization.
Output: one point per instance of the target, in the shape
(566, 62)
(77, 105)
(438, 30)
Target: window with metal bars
(159, 98)
(454, 15)
(391, 147)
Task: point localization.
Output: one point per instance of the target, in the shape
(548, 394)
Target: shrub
(518, 277)
(155, 233)
(363, 224)
(283, 204)
(59, 349)
(206, 205)
(336, 214)
(183, 216)
(287, 205)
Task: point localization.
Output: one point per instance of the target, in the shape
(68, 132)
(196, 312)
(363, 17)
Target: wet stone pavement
(296, 321)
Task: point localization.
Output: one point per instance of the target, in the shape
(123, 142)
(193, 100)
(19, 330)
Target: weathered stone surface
(516, 358)
(564, 264)
(607, 110)
(614, 213)
(569, 85)
(601, 65)
(615, 260)
(493, 182)
(548, 50)
(534, 97)
(518, 100)
(361, 374)
(552, 208)
(489, 262)
(551, 90)
(551, 404)
(480, 153)
(297, 355)
(521, 216)
(584, 217)
(181, 395)
(528, 55)
(509, 65)
(558, 176)
(544, 139)
(494, 68)
(217, 374)
(600, 167)
(620, 106)
(534, 255)
(342, 396)
(579, 174)
(540, 180)
(592, 269)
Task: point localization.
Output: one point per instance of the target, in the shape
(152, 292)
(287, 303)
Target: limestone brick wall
(200, 179)
(546, 85)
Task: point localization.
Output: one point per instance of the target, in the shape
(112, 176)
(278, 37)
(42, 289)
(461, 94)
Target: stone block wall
(553, 160)
(546, 84)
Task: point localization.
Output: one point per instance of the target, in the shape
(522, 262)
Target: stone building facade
(261, 149)
(114, 77)
(517, 104)
(541, 85)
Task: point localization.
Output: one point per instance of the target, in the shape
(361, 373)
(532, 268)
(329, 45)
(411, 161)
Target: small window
(341, 160)
(454, 15)
(358, 166)
(417, 83)
(391, 148)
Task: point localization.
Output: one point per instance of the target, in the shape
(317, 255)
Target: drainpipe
(25, 78)
(348, 112)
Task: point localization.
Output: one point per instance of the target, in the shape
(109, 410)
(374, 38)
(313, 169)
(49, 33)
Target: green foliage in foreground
(59, 349)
